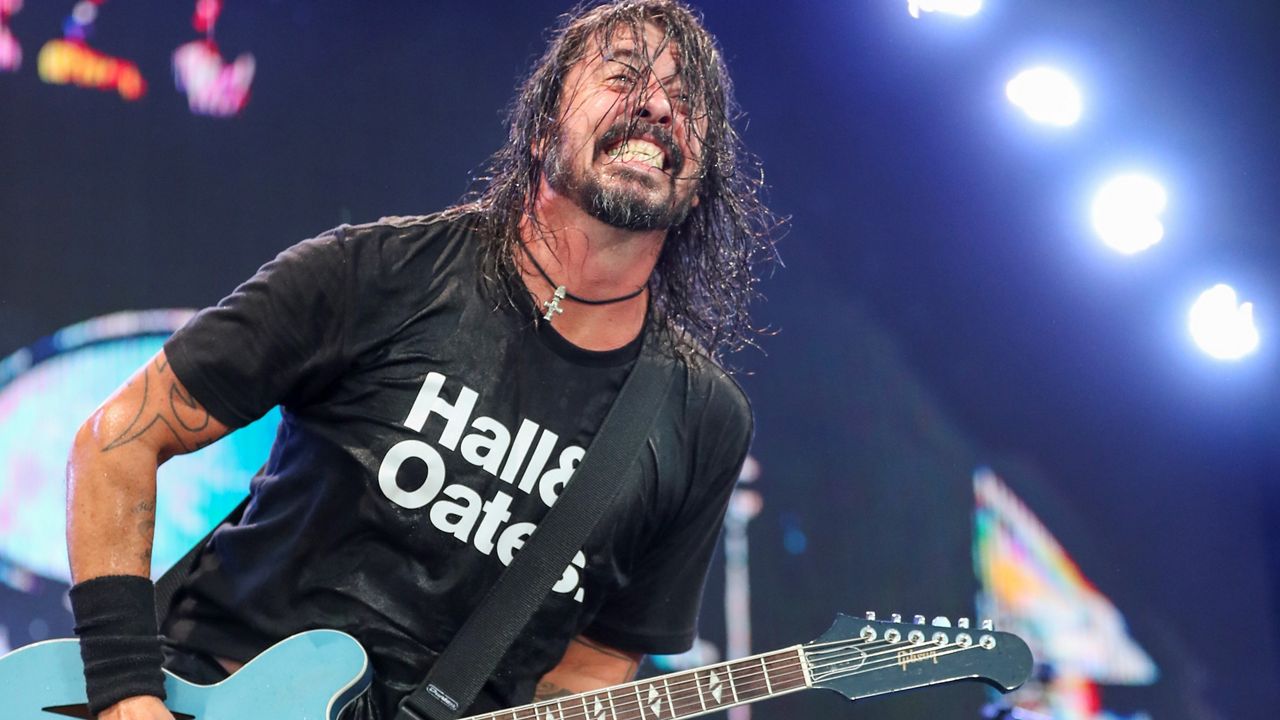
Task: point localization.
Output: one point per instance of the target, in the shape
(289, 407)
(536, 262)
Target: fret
(545, 711)
(796, 675)
(746, 679)
(718, 687)
(697, 685)
(595, 710)
(805, 669)
(608, 694)
(669, 697)
(652, 701)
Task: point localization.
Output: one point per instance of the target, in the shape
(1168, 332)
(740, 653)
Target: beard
(627, 201)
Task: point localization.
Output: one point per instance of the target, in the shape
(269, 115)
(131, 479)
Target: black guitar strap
(471, 657)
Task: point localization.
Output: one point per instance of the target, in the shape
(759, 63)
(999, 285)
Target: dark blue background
(944, 303)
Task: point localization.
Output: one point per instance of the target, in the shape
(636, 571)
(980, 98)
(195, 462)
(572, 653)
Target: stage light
(1126, 213)
(962, 8)
(1222, 325)
(1046, 95)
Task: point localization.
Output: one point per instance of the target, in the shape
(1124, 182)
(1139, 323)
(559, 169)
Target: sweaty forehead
(638, 47)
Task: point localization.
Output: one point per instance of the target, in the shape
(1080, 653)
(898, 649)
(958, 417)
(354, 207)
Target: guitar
(315, 674)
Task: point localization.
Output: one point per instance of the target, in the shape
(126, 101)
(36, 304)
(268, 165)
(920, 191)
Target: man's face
(625, 151)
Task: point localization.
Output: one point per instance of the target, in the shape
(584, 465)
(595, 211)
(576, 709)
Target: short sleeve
(277, 340)
(657, 611)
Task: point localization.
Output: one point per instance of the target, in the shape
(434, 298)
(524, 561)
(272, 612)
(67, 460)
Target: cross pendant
(553, 305)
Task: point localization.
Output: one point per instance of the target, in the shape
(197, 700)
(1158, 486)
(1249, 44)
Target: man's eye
(682, 102)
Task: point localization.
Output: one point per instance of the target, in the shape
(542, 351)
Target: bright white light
(963, 8)
(1126, 213)
(1221, 325)
(1046, 95)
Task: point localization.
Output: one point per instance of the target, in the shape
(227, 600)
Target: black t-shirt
(425, 432)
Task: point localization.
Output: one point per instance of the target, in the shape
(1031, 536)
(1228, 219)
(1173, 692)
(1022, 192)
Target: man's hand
(143, 707)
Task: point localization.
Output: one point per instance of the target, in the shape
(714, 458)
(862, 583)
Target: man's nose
(655, 105)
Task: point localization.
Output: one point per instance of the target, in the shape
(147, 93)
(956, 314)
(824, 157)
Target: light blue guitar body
(310, 676)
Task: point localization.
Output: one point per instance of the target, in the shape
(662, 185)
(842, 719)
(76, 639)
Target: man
(439, 379)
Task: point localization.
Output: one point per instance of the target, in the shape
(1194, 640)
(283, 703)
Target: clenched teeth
(638, 151)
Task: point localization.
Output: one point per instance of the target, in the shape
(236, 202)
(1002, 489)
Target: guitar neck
(679, 695)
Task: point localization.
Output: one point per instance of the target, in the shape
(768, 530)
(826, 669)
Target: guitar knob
(918, 619)
(896, 617)
(963, 623)
(988, 625)
(942, 621)
(871, 615)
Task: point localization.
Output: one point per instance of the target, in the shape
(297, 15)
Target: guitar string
(840, 655)
(609, 696)
(683, 705)
(834, 655)
(807, 649)
(631, 709)
(748, 682)
(824, 671)
(734, 679)
(855, 641)
(840, 675)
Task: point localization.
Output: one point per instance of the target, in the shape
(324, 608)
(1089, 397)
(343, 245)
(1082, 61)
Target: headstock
(860, 657)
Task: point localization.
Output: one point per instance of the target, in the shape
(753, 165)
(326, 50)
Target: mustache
(657, 134)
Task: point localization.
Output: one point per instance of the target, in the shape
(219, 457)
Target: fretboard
(679, 695)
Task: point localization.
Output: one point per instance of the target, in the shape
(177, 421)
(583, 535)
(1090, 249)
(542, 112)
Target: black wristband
(119, 643)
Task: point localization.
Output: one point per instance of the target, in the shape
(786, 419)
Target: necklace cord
(571, 296)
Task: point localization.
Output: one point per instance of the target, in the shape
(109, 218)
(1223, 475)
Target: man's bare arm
(111, 474)
(587, 665)
(111, 484)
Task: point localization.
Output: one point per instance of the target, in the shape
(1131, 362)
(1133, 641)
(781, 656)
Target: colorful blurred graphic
(1030, 586)
(213, 86)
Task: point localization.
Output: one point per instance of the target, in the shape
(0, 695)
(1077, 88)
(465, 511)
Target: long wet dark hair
(706, 274)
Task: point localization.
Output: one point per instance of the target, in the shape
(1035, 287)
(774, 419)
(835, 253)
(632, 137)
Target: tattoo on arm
(182, 416)
(550, 691)
(146, 527)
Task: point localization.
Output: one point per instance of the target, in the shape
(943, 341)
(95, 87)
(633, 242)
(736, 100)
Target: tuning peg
(896, 617)
(962, 623)
(988, 625)
(871, 615)
(918, 619)
(942, 621)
